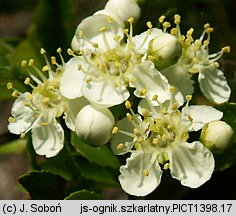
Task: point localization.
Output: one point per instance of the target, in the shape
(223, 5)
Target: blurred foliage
(81, 171)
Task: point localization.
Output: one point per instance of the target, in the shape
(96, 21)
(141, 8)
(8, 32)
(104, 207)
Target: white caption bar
(119, 207)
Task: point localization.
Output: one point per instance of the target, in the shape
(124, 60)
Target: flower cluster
(109, 65)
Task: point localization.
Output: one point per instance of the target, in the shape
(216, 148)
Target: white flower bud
(123, 9)
(164, 50)
(94, 125)
(217, 136)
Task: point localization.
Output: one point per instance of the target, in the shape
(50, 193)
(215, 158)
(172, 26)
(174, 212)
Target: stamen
(70, 52)
(110, 19)
(137, 132)
(155, 141)
(44, 124)
(128, 105)
(45, 68)
(161, 19)
(226, 49)
(120, 146)
(11, 119)
(53, 60)
(9, 85)
(129, 116)
(15, 94)
(149, 25)
(115, 130)
(42, 51)
(145, 173)
(23, 63)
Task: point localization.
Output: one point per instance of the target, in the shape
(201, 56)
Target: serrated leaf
(43, 185)
(101, 155)
(83, 195)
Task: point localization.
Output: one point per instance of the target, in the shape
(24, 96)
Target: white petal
(118, 138)
(105, 93)
(201, 114)
(90, 27)
(123, 9)
(149, 79)
(72, 79)
(141, 41)
(132, 177)
(73, 108)
(179, 77)
(213, 85)
(191, 163)
(48, 140)
(23, 115)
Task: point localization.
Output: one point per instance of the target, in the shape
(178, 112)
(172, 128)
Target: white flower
(38, 110)
(94, 125)
(157, 139)
(196, 59)
(217, 136)
(108, 65)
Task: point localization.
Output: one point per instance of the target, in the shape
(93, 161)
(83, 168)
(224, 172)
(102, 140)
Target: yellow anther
(155, 141)
(42, 51)
(175, 106)
(59, 50)
(172, 89)
(197, 44)
(209, 30)
(185, 135)
(170, 127)
(188, 97)
(22, 136)
(110, 19)
(164, 111)
(115, 130)
(190, 118)
(89, 80)
(31, 62)
(207, 25)
(127, 105)
(149, 24)
(126, 31)
(145, 113)
(11, 119)
(226, 49)
(117, 64)
(44, 124)
(30, 96)
(53, 60)
(117, 37)
(206, 43)
(45, 99)
(143, 92)
(81, 34)
(95, 45)
(9, 85)
(177, 18)
(164, 137)
(15, 94)
(80, 67)
(174, 31)
(151, 58)
(217, 64)
(181, 37)
(130, 20)
(155, 98)
(195, 60)
(102, 29)
(70, 52)
(190, 31)
(166, 24)
(161, 19)
(166, 166)
(27, 81)
(45, 68)
(82, 52)
(129, 117)
(137, 132)
(145, 172)
(120, 146)
(23, 63)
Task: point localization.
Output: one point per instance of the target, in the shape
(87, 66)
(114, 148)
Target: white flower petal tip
(72, 79)
(201, 115)
(214, 85)
(191, 163)
(217, 136)
(139, 177)
(123, 9)
(48, 139)
(94, 125)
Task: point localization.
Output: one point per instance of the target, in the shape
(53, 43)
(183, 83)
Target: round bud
(217, 136)
(94, 125)
(164, 50)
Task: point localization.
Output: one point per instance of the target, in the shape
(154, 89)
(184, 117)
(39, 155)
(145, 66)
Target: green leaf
(101, 155)
(43, 185)
(15, 146)
(83, 195)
